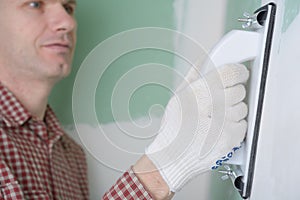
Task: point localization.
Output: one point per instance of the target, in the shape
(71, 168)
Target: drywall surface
(291, 11)
(277, 162)
(275, 175)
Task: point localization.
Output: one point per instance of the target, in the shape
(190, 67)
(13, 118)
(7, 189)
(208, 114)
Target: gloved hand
(202, 122)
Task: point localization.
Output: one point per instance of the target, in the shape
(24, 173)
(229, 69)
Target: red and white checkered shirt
(127, 187)
(39, 161)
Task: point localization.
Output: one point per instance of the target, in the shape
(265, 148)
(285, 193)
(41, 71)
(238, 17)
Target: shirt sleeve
(9, 187)
(127, 187)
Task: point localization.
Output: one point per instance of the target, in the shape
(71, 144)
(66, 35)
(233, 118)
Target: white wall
(277, 164)
(203, 22)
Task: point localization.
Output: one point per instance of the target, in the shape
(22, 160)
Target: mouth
(59, 47)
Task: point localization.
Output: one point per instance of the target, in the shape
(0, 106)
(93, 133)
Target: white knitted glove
(202, 122)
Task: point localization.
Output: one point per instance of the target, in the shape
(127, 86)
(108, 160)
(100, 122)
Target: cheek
(6, 31)
(9, 43)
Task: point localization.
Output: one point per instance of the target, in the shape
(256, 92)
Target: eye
(35, 4)
(69, 9)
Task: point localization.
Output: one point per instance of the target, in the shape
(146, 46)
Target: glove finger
(192, 75)
(235, 94)
(232, 136)
(195, 73)
(237, 112)
(233, 74)
(229, 75)
(225, 77)
(236, 132)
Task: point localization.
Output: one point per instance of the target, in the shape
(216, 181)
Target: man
(39, 161)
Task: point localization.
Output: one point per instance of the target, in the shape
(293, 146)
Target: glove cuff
(178, 172)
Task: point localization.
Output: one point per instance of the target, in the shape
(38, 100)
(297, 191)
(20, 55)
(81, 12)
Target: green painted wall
(236, 9)
(291, 10)
(97, 21)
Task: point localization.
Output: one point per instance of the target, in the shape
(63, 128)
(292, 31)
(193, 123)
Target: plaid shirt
(39, 161)
(127, 187)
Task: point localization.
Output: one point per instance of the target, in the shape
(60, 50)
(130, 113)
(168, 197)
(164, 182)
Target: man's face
(37, 38)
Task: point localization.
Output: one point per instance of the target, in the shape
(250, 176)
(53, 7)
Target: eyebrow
(70, 1)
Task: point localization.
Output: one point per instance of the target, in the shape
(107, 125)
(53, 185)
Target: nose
(61, 20)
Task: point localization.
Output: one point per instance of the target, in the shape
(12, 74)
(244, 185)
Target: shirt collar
(12, 112)
(52, 122)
